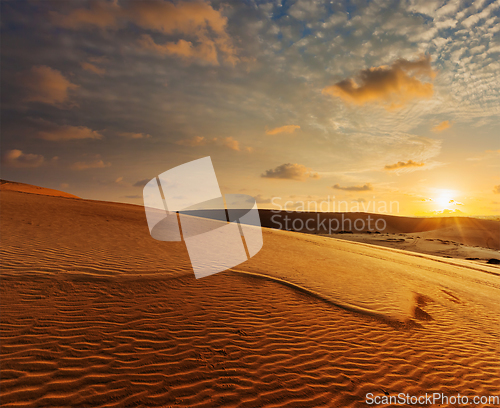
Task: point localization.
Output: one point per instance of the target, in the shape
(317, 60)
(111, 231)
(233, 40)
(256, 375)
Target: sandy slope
(96, 313)
(6, 185)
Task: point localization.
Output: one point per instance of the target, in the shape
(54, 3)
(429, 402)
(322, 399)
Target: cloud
(99, 14)
(195, 141)
(366, 187)
(87, 66)
(442, 126)
(410, 164)
(16, 158)
(291, 171)
(141, 183)
(392, 85)
(132, 135)
(198, 21)
(95, 164)
(282, 129)
(66, 132)
(496, 189)
(231, 143)
(46, 85)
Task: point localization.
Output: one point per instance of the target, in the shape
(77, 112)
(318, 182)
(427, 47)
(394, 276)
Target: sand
(96, 313)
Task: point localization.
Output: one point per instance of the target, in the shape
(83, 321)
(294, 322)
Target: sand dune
(6, 185)
(97, 313)
(468, 231)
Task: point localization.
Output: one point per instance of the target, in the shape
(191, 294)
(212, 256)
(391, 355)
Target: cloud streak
(56, 133)
(94, 164)
(366, 187)
(282, 129)
(410, 164)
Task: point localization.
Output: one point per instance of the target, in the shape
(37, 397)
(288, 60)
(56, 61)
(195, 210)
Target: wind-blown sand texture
(95, 313)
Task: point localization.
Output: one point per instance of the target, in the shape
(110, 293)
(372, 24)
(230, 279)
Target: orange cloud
(496, 189)
(391, 85)
(442, 126)
(87, 66)
(16, 158)
(291, 171)
(66, 132)
(99, 14)
(46, 85)
(231, 143)
(197, 20)
(282, 129)
(403, 165)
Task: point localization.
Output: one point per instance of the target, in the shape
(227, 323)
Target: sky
(362, 102)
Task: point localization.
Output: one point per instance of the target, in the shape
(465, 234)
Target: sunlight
(443, 199)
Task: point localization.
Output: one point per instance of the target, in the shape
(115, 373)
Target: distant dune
(465, 230)
(6, 185)
(96, 313)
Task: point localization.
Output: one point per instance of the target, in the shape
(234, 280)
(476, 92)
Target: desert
(97, 313)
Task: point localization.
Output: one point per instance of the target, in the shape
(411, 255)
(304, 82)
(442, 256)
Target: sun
(444, 198)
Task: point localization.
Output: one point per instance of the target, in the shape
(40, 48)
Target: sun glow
(444, 199)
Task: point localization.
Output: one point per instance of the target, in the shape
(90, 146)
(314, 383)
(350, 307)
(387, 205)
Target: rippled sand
(96, 313)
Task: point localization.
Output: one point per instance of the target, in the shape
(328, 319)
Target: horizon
(393, 102)
(274, 210)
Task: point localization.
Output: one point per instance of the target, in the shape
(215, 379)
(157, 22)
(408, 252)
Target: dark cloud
(194, 20)
(291, 171)
(403, 165)
(366, 187)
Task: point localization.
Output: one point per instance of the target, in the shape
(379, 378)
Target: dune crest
(6, 185)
